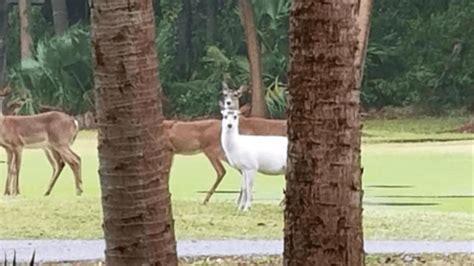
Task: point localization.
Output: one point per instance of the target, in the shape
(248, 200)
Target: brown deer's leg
(74, 161)
(16, 164)
(220, 170)
(8, 179)
(58, 165)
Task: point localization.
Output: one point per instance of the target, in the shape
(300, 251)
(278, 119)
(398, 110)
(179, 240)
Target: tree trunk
(59, 16)
(78, 10)
(323, 214)
(134, 160)
(211, 28)
(3, 43)
(184, 57)
(363, 23)
(25, 36)
(259, 108)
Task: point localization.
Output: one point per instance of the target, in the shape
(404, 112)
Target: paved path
(76, 250)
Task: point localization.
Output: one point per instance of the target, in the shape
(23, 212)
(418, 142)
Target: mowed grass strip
(28, 218)
(414, 130)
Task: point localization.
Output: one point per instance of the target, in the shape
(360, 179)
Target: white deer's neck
(229, 140)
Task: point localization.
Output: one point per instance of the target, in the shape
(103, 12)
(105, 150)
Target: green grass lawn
(412, 191)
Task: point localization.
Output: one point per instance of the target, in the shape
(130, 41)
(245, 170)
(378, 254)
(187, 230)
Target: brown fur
(54, 132)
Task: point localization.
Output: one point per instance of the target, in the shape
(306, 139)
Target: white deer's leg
(250, 177)
(243, 190)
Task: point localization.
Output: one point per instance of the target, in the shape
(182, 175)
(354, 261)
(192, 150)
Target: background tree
(409, 65)
(363, 23)
(134, 159)
(323, 214)
(185, 51)
(26, 42)
(60, 17)
(3, 42)
(211, 21)
(78, 11)
(258, 107)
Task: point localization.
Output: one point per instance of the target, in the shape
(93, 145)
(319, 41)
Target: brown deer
(54, 132)
(203, 136)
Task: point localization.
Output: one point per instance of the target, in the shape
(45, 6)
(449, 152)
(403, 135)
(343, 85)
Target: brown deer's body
(188, 138)
(54, 132)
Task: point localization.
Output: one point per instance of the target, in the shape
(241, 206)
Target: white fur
(251, 154)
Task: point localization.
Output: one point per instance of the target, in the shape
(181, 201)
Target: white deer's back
(267, 154)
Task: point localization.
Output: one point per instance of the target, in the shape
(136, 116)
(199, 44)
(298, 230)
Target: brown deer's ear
(243, 88)
(221, 105)
(225, 86)
(245, 110)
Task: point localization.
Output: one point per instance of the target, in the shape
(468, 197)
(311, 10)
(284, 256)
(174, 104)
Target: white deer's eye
(235, 117)
(225, 117)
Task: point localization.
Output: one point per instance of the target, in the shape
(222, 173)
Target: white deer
(203, 136)
(251, 154)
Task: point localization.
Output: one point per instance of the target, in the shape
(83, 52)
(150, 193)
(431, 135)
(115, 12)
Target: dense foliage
(420, 54)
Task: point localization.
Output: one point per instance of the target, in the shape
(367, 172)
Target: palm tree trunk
(60, 16)
(363, 23)
(25, 36)
(134, 160)
(259, 108)
(3, 42)
(323, 214)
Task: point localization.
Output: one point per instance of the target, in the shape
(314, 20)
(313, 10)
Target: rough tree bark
(363, 23)
(133, 157)
(323, 214)
(25, 36)
(258, 106)
(3, 42)
(60, 17)
(184, 56)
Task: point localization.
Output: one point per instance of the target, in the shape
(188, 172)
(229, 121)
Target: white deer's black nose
(229, 125)
(228, 102)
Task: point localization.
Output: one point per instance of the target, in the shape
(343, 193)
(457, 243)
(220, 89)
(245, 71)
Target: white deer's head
(230, 119)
